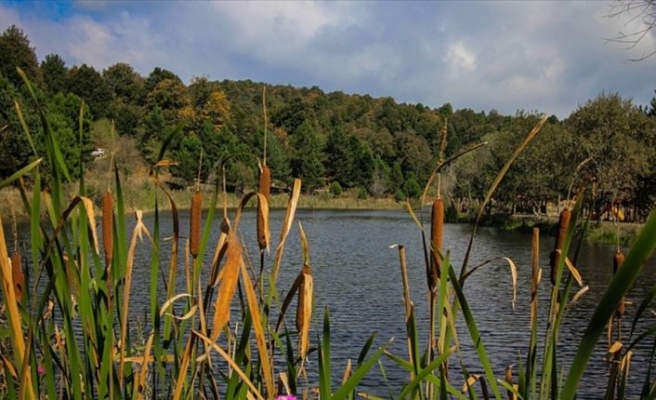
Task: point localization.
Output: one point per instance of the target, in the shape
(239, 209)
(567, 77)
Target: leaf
(292, 203)
(20, 172)
(575, 272)
(253, 306)
(228, 285)
(622, 281)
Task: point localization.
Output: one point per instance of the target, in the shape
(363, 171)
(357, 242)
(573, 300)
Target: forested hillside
(376, 145)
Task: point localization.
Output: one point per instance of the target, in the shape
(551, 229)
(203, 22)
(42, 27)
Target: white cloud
(483, 55)
(460, 59)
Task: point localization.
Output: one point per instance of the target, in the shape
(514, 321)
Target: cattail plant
(618, 259)
(554, 256)
(265, 190)
(437, 237)
(194, 223)
(108, 227)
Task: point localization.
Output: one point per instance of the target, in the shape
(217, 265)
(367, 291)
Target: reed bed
(65, 326)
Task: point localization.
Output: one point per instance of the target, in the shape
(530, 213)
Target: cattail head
(554, 257)
(108, 226)
(17, 275)
(437, 237)
(265, 190)
(194, 228)
(618, 259)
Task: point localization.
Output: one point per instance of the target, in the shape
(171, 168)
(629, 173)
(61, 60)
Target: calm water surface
(357, 276)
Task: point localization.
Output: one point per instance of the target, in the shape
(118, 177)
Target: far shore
(11, 208)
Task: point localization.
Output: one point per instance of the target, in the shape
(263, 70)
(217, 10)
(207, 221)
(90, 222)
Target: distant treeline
(376, 145)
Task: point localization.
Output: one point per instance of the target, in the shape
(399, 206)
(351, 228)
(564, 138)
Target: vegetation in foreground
(67, 324)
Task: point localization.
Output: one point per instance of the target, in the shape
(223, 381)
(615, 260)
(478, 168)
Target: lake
(357, 276)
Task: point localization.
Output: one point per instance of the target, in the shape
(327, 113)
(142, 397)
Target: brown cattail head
(618, 259)
(554, 257)
(194, 228)
(17, 275)
(108, 227)
(265, 190)
(437, 237)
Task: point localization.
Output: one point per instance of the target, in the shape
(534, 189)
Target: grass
(229, 333)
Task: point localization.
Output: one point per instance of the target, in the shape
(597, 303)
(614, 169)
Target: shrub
(335, 189)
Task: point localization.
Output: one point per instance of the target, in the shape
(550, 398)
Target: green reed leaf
(475, 334)
(349, 386)
(23, 171)
(620, 284)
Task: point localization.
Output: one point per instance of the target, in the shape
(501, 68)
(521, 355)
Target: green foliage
(411, 187)
(64, 116)
(305, 161)
(15, 147)
(356, 140)
(335, 189)
(15, 52)
(89, 84)
(55, 74)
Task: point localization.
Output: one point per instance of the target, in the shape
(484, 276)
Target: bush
(335, 189)
(362, 194)
(412, 188)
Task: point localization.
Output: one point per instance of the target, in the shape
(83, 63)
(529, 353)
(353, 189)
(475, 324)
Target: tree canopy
(372, 145)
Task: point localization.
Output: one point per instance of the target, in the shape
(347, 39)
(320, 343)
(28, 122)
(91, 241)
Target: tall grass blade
(349, 386)
(254, 310)
(325, 371)
(11, 306)
(642, 249)
(230, 275)
(23, 171)
(245, 379)
(536, 129)
(292, 203)
(475, 334)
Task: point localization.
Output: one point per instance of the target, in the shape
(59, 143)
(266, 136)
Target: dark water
(357, 276)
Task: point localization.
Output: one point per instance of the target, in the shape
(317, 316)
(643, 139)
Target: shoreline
(602, 232)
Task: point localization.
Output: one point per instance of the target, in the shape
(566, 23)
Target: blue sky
(544, 56)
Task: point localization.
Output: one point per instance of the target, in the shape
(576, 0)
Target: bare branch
(638, 10)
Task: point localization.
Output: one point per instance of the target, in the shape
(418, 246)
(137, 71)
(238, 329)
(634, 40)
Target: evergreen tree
(305, 162)
(88, 84)
(15, 52)
(54, 73)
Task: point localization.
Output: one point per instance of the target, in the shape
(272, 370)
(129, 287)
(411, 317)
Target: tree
(339, 158)
(63, 115)
(54, 72)
(15, 52)
(158, 75)
(543, 170)
(636, 10)
(618, 136)
(15, 150)
(125, 83)
(88, 84)
(305, 162)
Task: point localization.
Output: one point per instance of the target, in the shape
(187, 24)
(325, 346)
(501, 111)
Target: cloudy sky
(549, 56)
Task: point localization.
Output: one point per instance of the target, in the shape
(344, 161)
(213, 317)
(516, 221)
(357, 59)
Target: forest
(333, 141)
